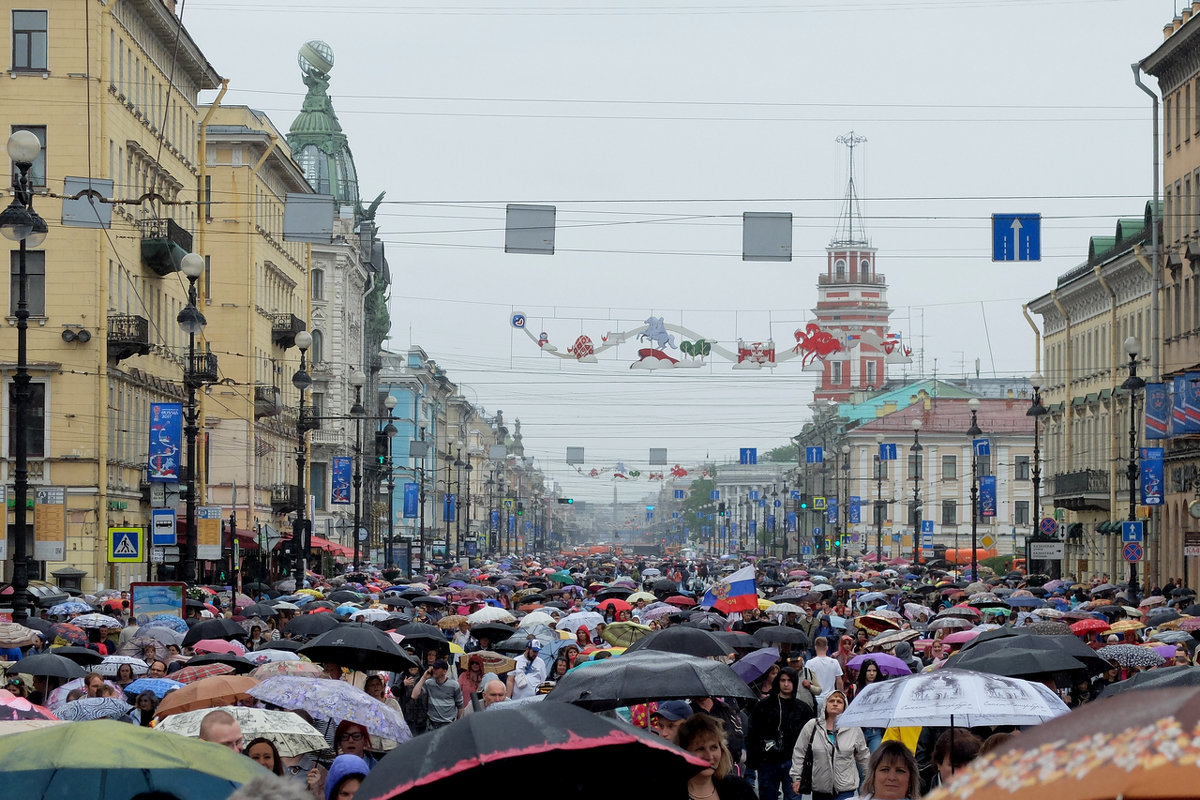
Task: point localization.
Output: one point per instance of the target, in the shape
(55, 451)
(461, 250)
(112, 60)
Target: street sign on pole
(1048, 526)
(1016, 237)
(1131, 532)
(1132, 552)
(163, 527)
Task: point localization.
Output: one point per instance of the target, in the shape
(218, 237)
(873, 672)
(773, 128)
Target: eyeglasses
(357, 736)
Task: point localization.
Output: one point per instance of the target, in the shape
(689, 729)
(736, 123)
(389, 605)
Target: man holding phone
(445, 696)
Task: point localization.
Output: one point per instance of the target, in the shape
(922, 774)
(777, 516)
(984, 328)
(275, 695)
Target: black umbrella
(358, 646)
(514, 644)
(48, 665)
(1161, 678)
(80, 655)
(392, 622)
(494, 631)
(756, 625)
(426, 634)
(664, 586)
(261, 610)
(429, 599)
(240, 665)
(39, 624)
(678, 639)
(645, 676)
(736, 641)
(310, 625)
(219, 628)
(782, 634)
(255, 587)
(345, 596)
(291, 645)
(513, 739)
(847, 585)
(395, 601)
(1021, 653)
(1191, 611)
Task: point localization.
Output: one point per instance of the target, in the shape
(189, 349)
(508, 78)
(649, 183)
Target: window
(839, 269)
(1022, 468)
(1021, 512)
(318, 284)
(864, 270)
(316, 485)
(914, 465)
(37, 172)
(872, 374)
(29, 40)
(35, 282)
(317, 403)
(316, 353)
(835, 373)
(35, 424)
(949, 468)
(949, 512)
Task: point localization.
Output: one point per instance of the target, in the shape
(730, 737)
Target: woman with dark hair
(144, 707)
(124, 676)
(891, 774)
(704, 736)
(868, 672)
(266, 753)
(775, 724)
(557, 670)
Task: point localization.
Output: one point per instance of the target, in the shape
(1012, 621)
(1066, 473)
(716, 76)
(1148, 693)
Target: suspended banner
(791, 522)
(166, 438)
(494, 522)
(1178, 397)
(753, 526)
(1157, 411)
(855, 509)
(412, 496)
(831, 510)
(987, 495)
(771, 523)
(512, 525)
(341, 468)
(1152, 476)
(1191, 401)
(449, 507)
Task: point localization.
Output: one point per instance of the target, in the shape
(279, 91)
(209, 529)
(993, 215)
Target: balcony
(286, 498)
(874, 279)
(309, 420)
(164, 244)
(128, 335)
(267, 402)
(1085, 490)
(284, 328)
(202, 369)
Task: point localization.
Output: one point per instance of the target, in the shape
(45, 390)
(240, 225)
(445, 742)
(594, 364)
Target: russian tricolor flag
(738, 592)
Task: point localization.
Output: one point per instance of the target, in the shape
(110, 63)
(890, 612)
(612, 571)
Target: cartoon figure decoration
(813, 346)
(678, 472)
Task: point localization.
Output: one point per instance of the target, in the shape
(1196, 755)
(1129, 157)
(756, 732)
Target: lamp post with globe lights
(1133, 384)
(974, 433)
(20, 223)
(300, 530)
(357, 379)
(915, 454)
(198, 369)
(389, 556)
(879, 504)
(1036, 410)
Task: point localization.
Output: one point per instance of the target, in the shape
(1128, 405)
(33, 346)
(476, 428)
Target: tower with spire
(852, 303)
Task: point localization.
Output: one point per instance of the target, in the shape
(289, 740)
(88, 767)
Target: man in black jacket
(775, 724)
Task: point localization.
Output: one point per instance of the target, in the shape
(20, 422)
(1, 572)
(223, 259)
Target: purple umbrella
(888, 665)
(753, 666)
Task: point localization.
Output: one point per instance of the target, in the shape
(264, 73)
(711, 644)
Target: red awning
(319, 543)
(247, 540)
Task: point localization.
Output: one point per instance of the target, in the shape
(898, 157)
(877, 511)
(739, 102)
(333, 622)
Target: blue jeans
(770, 776)
(874, 737)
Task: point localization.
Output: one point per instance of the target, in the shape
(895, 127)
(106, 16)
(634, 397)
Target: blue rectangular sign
(1131, 531)
(1158, 411)
(494, 521)
(771, 523)
(679, 494)
(412, 496)
(340, 473)
(163, 527)
(855, 509)
(795, 495)
(166, 442)
(715, 494)
(791, 521)
(926, 526)
(753, 524)
(748, 455)
(814, 455)
(449, 507)
(754, 494)
(831, 510)
(887, 451)
(982, 447)
(1016, 237)
(512, 524)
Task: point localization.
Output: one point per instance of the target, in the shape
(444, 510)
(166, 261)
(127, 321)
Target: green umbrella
(623, 634)
(563, 577)
(108, 760)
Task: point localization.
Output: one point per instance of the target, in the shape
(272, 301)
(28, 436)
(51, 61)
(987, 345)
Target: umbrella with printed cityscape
(290, 734)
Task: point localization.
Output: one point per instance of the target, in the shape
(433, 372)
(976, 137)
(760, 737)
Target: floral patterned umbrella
(299, 669)
(168, 621)
(63, 633)
(333, 700)
(97, 621)
(70, 607)
(89, 708)
(160, 686)
(111, 664)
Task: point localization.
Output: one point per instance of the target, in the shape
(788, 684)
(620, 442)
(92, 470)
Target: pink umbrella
(959, 637)
(219, 646)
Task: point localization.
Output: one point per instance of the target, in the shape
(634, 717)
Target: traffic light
(804, 504)
(566, 501)
(382, 448)
(721, 509)
(520, 509)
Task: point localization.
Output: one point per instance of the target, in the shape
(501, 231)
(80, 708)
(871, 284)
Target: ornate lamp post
(300, 538)
(357, 379)
(845, 501)
(1036, 410)
(20, 223)
(457, 549)
(1133, 384)
(389, 557)
(192, 322)
(879, 505)
(467, 507)
(973, 433)
(915, 451)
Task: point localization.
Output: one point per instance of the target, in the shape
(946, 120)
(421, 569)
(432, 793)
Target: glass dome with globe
(315, 57)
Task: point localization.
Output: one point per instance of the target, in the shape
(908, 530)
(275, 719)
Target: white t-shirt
(827, 670)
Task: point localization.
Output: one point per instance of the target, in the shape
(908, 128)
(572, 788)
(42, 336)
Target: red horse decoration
(815, 343)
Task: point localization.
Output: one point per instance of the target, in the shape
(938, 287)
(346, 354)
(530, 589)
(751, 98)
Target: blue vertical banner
(987, 495)
(831, 510)
(887, 451)
(791, 522)
(753, 526)
(340, 474)
(1152, 475)
(1178, 397)
(679, 494)
(512, 524)
(1157, 411)
(494, 521)
(1191, 402)
(449, 507)
(412, 496)
(771, 523)
(166, 442)
(814, 455)
(855, 509)
(649, 516)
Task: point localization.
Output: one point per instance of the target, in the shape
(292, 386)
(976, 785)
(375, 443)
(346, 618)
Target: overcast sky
(652, 126)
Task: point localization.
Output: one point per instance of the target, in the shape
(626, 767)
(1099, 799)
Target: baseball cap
(674, 710)
(534, 645)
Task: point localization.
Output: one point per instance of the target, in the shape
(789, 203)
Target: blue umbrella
(169, 621)
(160, 686)
(753, 666)
(88, 708)
(1025, 602)
(70, 607)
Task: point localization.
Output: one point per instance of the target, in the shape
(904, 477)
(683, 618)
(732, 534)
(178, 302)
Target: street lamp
(1036, 410)
(915, 451)
(192, 322)
(1132, 385)
(973, 433)
(879, 501)
(458, 465)
(389, 556)
(467, 506)
(20, 223)
(300, 539)
(845, 501)
(357, 379)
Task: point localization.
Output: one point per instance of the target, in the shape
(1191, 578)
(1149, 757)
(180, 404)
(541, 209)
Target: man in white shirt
(827, 670)
(529, 673)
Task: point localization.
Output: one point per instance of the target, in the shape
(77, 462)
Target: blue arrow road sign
(748, 455)
(926, 526)
(1131, 531)
(1016, 237)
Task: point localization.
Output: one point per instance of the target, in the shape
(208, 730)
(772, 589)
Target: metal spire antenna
(851, 141)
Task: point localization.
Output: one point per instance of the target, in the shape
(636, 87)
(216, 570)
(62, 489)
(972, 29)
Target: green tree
(786, 454)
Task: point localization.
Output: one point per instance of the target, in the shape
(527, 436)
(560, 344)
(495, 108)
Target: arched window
(316, 353)
(864, 269)
(839, 269)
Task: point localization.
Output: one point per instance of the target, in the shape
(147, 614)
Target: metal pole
(973, 433)
(1132, 384)
(878, 510)
(916, 449)
(20, 581)
(191, 430)
(357, 479)
(301, 380)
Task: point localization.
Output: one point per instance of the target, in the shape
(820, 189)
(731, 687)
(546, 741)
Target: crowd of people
(808, 641)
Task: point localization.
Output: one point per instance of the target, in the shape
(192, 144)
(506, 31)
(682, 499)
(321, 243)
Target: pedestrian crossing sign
(125, 545)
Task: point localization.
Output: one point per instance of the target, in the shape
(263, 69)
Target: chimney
(1167, 31)
(170, 4)
(1185, 15)
(1176, 23)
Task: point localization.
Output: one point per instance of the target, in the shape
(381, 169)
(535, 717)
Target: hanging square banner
(412, 497)
(1158, 411)
(987, 495)
(831, 510)
(340, 473)
(1152, 476)
(166, 442)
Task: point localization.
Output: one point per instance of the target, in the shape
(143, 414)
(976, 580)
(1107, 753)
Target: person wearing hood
(904, 652)
(838, 754)
(775, 723)
(346, 774)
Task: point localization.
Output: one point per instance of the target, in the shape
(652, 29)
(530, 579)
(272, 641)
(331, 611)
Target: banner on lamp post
(987, 495)
(412, 497)
(1152, 476)
(340, 469)
(166, 442)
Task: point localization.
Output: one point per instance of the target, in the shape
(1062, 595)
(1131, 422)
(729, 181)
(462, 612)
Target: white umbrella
(536, 618)
(291, 735)
(822, 587)
(370, 615)
(285, 606)
(109, 666)
(97, 621)
(571, 622)
(950, 697)
(785, 608)
(269, 655)
(490, 614)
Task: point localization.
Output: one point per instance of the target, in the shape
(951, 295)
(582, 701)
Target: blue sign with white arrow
(1016, 237)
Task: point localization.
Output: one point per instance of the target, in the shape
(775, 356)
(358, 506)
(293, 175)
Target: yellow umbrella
(1126, 625)
(764, 604)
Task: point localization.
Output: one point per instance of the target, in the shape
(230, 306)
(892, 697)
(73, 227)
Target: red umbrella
(615, 604)
(680, 600)
(1085, 626)
(14, 707)
(70, 634)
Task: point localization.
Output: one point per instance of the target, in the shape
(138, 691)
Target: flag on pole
(737, 592)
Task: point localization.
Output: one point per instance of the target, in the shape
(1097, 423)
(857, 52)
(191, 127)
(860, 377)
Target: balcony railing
(284, 328)
(164, 244)
(128, 335)
(1082, 490)
(202, 369)
(873, 279)
(266, 401)
(286, 498)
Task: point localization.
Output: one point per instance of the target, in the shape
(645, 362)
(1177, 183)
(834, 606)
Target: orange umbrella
(218, 690)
